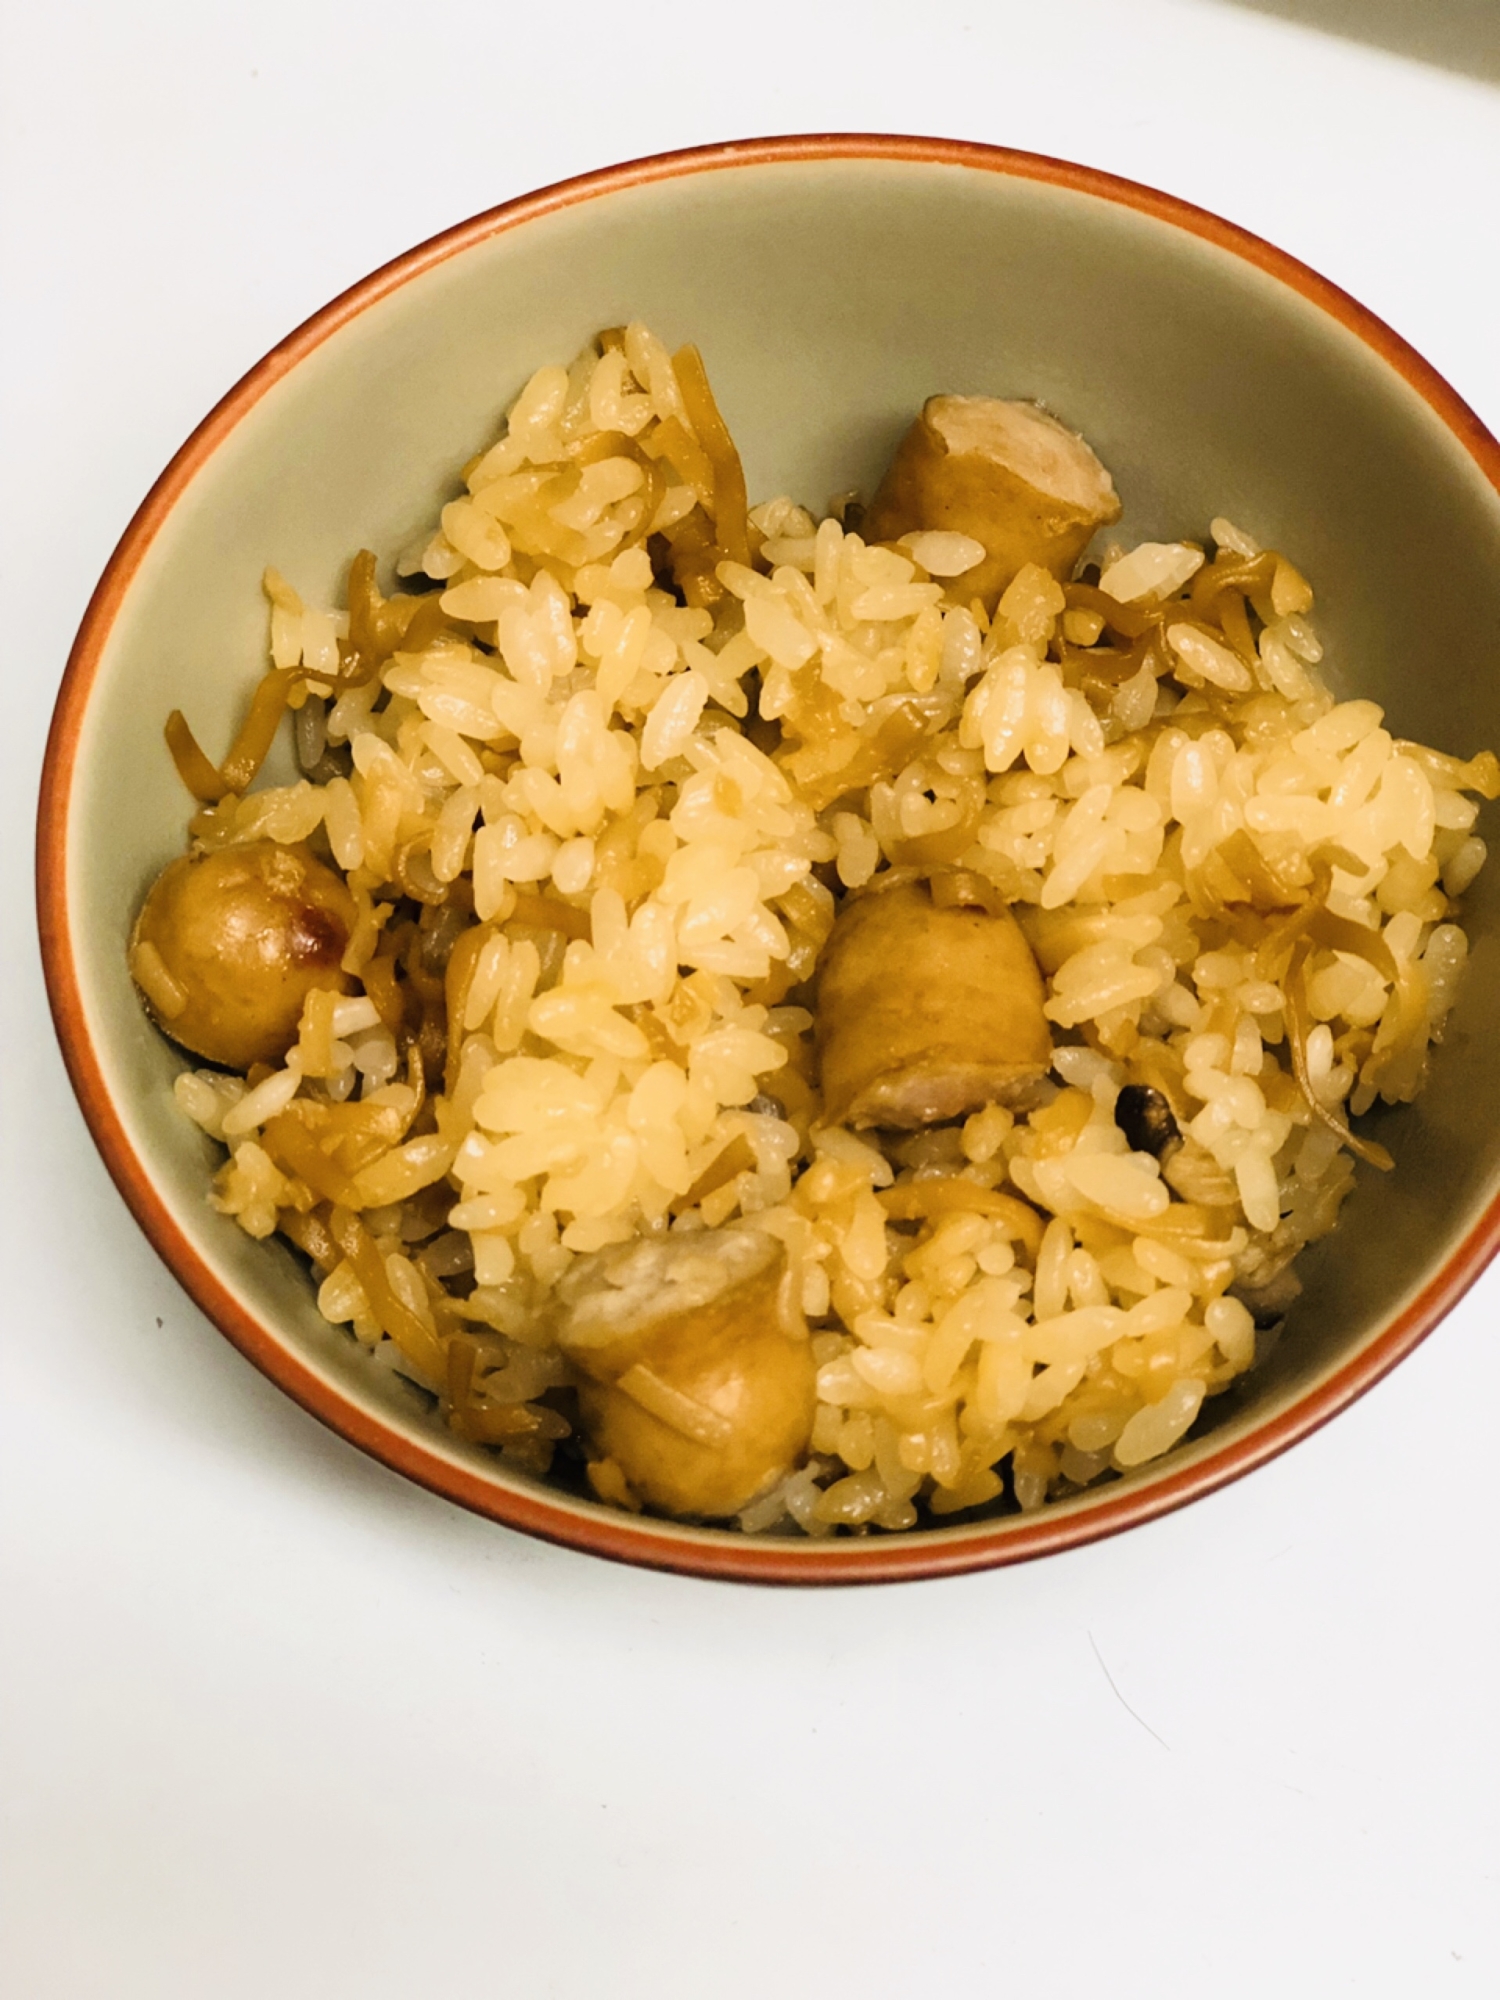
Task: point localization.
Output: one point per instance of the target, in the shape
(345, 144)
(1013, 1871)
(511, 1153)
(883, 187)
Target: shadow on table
(1462, 35)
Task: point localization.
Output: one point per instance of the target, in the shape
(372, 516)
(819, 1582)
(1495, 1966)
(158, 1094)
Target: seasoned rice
(597, 835)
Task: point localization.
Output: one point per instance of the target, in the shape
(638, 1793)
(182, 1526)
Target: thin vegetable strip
(731, 502)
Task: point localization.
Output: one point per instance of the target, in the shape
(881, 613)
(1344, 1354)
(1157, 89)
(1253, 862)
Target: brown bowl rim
(623, 1537)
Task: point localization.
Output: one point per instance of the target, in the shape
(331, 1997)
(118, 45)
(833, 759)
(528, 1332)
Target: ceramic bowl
(832, 284)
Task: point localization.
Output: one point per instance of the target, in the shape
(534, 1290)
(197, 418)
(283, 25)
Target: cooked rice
(1242, 893)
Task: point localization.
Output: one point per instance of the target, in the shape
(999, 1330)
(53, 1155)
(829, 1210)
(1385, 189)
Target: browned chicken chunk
(926, 1013)
(1008, 475)
(228, 946)
(698, 1379)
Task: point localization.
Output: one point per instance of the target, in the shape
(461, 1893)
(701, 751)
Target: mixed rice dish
(807, 1023)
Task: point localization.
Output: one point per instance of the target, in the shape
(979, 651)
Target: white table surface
(279, 1724)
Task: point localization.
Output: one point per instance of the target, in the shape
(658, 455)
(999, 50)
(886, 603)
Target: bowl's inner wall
(829, 298)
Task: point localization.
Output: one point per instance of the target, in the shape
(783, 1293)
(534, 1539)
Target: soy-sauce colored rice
(597, 797)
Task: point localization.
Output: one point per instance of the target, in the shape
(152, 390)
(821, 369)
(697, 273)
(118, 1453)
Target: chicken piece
(698, 1378)
(1024, 487)
(228, 945)
(926, 1013)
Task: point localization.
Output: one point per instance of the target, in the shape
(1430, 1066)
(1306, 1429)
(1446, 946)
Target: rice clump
(599, 782)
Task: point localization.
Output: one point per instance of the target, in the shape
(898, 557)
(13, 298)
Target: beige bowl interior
(829, 296)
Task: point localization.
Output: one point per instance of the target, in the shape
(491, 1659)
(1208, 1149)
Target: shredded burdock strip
(681, 1413)
(922, 1200)
(292, 1145)
(731, 502)
(471, 1415)
(422, 1348)
(1297, 1031)
(672, 440)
